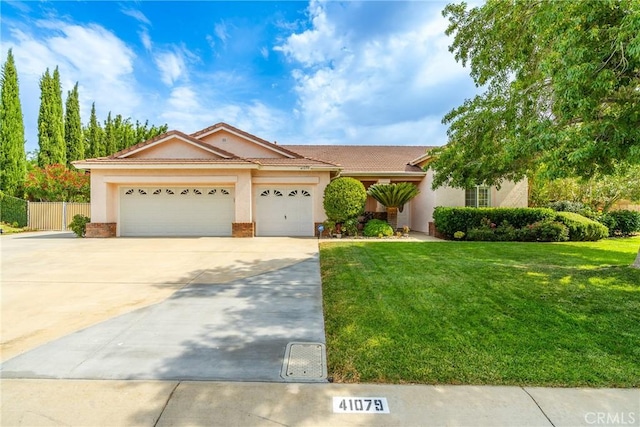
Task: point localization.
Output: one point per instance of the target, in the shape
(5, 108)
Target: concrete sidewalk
(173, 403)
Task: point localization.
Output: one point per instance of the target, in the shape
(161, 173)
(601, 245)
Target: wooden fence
(55, 215)
(625, 204)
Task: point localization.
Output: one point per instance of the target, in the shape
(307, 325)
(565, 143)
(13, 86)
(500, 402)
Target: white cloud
(374, 73)
(136, 14)
(145, 38)
(220, 30)
(171, 66)
(91, 55)
(264, 52)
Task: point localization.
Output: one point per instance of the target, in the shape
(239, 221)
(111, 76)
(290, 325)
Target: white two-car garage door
(283, 211)
(176, 211)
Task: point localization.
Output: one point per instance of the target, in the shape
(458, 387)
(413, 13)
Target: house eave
(299, 168)
(149, 166)
(384, 174)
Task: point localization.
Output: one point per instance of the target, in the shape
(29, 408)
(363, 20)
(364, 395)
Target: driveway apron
(211, 329)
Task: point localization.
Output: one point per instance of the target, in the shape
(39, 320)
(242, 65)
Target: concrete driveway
(192, 308)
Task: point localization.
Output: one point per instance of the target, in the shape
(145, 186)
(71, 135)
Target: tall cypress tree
(44, 137)
(109, 136)
(60, 147)
(73, 127)
(13, 161)
(50, 121)
(93, 133)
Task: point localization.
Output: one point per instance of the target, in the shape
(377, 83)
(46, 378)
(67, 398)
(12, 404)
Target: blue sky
(314, 72)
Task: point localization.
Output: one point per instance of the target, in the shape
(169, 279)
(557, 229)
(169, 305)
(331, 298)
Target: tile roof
(365, 158)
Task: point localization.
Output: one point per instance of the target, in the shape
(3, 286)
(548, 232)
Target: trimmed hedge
(622, 223)
(344, 198)
(450, 220)
(582, 228)
(13, 210)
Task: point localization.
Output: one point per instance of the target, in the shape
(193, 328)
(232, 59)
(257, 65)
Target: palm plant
(393, 197)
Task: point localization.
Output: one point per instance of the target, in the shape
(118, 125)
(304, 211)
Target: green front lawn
(553, 314)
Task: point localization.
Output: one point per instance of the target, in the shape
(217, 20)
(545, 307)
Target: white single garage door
(176, 211)
(283, 211)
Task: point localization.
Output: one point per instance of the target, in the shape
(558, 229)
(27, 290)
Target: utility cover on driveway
(206, 331)
(305, 361)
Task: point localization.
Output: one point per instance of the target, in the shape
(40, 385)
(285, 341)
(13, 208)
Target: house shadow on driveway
(211, 329)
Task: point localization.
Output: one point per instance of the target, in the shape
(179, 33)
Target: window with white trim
(477, 197)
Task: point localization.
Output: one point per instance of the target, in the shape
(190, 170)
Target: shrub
(344, 198)
(450, 220)
(458, 235)
(379, 228)
(624, 222)
(575, 207)
(483, 234)
(329, 226)
(13, 210)
(79, 224)
(544, 231)
(551, 231)
(581, 228)
(609, 222)
(350, 226)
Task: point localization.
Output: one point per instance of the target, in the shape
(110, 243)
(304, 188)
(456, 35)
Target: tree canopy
(13, 162)
(560, 85)
(344, 198)
(52, 147)
(73, 127)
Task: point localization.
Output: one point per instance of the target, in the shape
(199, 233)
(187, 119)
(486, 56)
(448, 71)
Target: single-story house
(222, 181)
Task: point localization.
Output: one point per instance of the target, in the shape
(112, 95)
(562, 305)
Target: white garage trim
(176, 211)
(172, 180)
(283, 210)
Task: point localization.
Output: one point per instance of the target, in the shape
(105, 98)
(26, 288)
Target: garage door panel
(176, 211)
(284, 211)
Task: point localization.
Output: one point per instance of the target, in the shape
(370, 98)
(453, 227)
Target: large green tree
(53, 149)
(109, 136)
(560, 85)
(73, 127)
(600, 192)
(93, 134)
(13, 161)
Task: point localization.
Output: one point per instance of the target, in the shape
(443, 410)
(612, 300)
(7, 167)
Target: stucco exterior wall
(422, 205)
(174, 149)
(237, 145)
(511, 195)
(106, 184)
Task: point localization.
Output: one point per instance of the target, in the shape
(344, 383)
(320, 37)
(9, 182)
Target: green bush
(544, 231)
(582, 228)
(13, 210)
(344, 198)
(575, 207)
(623, 222)
(376, 227)
(609, 222)
(482, 234)
(79, 224)
(450, 220)
(350, 226)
